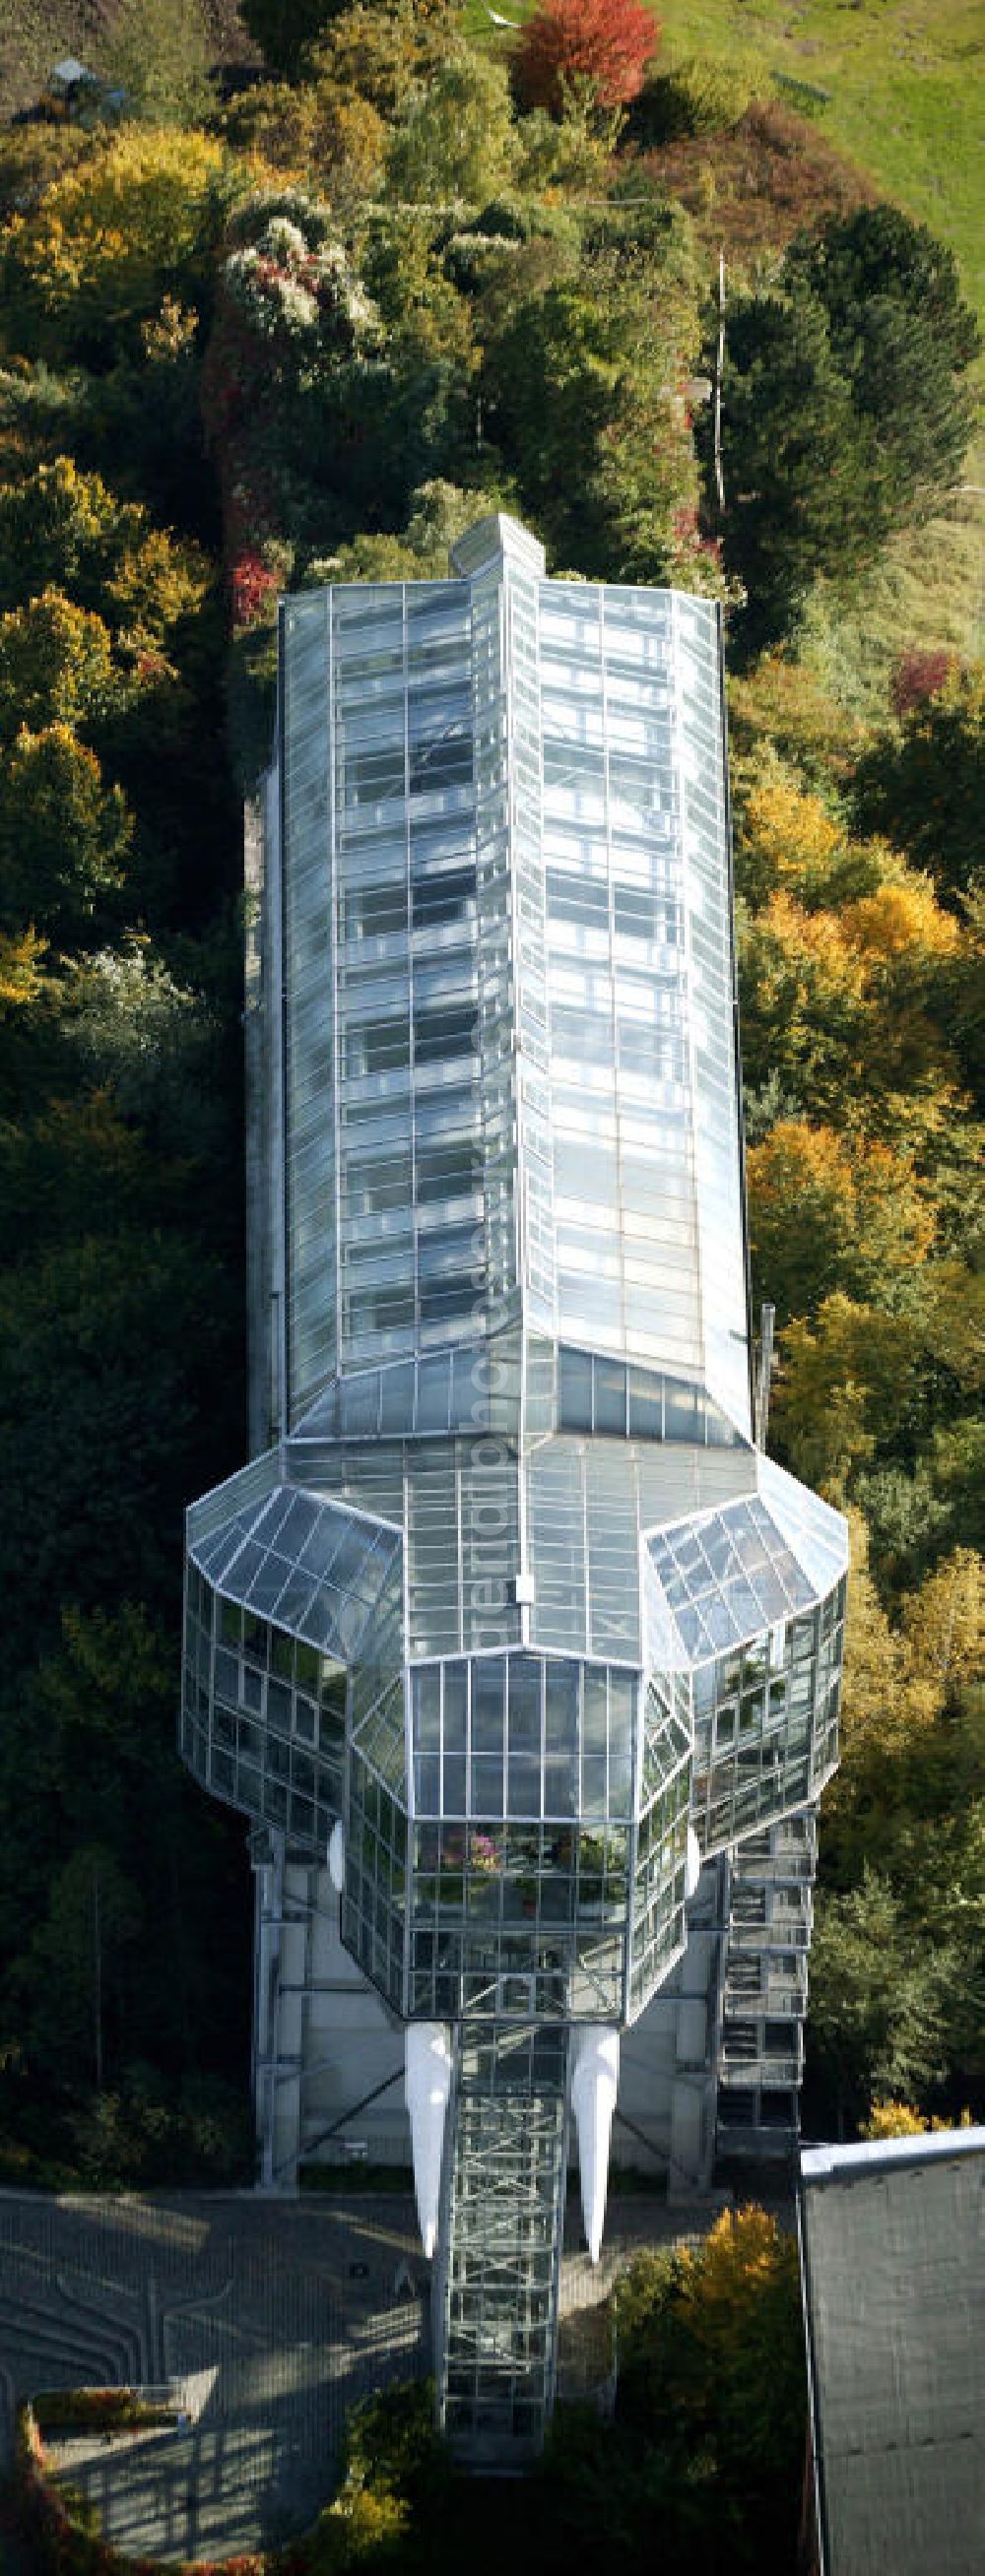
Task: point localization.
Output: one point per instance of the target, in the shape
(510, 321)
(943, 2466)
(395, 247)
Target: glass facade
(643, 1095)
(511, 1595)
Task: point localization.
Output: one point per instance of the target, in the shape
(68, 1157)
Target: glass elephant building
(520, 1655)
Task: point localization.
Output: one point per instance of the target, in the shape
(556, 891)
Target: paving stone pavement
(285, 2309)
(279, 2313)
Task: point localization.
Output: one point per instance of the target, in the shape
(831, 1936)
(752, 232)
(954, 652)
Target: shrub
(770, 176)
(383, 54)
(601, 45)
(455, 139)
(95, 2410)
(392, 2445)
(920, 674)
(694, 97)
(293, 34)
(336, 141)
(32, 157)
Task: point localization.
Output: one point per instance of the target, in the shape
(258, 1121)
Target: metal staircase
(497, 2290)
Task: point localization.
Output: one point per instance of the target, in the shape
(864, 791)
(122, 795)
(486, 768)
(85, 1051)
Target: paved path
(281, 2312)
(283, 2309)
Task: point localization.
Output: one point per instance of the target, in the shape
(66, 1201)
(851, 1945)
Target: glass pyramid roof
(721, 1577)
(316, 1567)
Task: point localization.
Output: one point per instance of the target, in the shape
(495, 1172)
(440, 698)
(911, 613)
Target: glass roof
(316, 1567)
(720, 1566)
(817, 1535)
(724, 1576)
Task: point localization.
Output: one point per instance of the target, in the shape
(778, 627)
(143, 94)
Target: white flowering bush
(296, 350)
(295, 294)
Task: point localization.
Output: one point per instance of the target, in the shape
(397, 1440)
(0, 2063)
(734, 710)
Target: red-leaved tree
(606, 44)
(920, 674)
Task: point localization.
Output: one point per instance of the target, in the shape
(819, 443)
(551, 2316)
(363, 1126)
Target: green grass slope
(905, 84)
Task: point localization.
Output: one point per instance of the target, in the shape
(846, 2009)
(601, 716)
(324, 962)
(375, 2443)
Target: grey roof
(830, 2164)
(893, 2259)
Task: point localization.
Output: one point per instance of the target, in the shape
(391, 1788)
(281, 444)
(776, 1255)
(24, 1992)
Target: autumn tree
(944, 1623)
(782, 708)
(892, 1701)
(64, 837)
(337, 141)
(602, 45)
(136, 220)
(826, 1214)
(32, 155)
(900, 2120)
(292, 34)
(789, 839)
(802, 1001)
(62, 530)
(851, 1376)
(21, 971)
(898, 1964)
(56, 668)
(836, 1003)
(712, 2367)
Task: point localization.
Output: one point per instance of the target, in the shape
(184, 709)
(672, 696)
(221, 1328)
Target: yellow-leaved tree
(21, 969)
(785, 839)
(62, 529)
(56, 667)
(847, 960)
(944, 1623)
(891, 1701)
(850, 1375)
(827, 1212)
(64, 836)
(711, 2367)
(900, 2120)
(93, 260)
